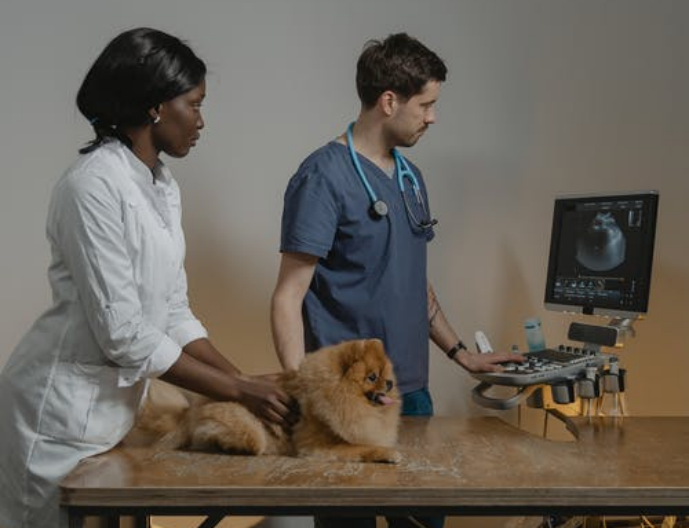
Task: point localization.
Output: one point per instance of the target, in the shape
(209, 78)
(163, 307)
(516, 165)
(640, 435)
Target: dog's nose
(388, 385)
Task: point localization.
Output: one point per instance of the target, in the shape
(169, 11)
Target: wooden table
(454, 466)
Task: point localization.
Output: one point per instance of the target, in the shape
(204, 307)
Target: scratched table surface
(458, 466)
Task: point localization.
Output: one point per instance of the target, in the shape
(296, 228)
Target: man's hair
(399, 63)
(137, 70)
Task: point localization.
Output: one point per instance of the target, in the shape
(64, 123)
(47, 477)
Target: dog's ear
(375, 350)
(374, 346)
(350, 353)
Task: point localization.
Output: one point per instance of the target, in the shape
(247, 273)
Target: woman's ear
(154, 114)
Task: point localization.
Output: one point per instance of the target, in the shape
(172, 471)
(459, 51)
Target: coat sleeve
(183, 327)
(87, 228)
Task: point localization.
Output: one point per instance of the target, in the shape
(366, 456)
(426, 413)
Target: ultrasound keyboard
(546, 367)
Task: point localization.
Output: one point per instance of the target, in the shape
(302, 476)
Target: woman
(120, 314)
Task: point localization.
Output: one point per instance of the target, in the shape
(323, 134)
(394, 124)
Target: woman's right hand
(263, 397)
(202, 369)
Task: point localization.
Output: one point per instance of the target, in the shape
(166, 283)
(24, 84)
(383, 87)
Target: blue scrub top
(370, 280)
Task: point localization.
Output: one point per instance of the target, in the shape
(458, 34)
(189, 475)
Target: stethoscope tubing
(402, 171)
(357, 165)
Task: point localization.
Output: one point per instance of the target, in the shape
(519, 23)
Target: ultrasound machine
(601, 254)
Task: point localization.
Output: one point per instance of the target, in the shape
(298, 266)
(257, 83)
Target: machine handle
(501, 404)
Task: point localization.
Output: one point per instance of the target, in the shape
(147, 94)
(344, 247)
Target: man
(354, 232)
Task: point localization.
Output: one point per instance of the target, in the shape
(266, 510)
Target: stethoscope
(379, 208)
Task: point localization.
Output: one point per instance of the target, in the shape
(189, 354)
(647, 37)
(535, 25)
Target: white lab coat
(120, 315)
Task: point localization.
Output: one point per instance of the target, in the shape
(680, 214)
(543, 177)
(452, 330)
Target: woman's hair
(399, 63)
(137, 70)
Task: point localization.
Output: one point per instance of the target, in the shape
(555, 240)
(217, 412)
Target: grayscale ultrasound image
(602, 246)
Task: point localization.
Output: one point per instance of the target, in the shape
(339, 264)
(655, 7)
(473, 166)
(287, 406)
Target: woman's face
(180, 122)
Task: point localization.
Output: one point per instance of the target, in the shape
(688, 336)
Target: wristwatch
(455, 349)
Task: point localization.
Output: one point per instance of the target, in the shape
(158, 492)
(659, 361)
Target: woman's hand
(263, 397)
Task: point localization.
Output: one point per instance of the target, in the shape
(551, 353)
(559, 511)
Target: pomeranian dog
(349, 411)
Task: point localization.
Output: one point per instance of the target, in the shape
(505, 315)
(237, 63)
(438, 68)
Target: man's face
(412, 117)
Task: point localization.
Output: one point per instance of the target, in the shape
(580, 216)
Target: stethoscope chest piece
(379, 209)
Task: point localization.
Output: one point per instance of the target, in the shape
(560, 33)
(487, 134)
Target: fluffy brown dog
(349, 411)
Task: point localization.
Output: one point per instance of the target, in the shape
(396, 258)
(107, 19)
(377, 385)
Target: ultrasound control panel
(546, 366)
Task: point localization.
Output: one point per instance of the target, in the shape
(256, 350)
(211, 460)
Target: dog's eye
(372, 377)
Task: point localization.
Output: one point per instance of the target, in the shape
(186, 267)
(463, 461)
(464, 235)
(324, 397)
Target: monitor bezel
(550, 304)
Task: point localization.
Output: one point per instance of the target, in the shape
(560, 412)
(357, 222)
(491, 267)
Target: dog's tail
(175, 438)
(162, 427)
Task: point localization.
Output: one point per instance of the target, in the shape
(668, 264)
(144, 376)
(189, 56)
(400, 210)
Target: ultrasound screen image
(601, 252)
(602, 244)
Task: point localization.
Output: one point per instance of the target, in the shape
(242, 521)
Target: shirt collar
(141, 174)
(161, 173)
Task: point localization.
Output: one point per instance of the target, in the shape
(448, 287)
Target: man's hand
(491, 362)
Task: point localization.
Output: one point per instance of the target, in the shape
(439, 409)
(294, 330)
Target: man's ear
(388, 102)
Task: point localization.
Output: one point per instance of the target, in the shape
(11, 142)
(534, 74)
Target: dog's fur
(349, 411)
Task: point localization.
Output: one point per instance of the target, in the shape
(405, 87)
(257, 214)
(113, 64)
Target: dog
(349, 411)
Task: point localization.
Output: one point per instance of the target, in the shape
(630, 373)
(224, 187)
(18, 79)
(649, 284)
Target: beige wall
(543, 98)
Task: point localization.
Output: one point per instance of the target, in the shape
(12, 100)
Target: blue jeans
(417, 403)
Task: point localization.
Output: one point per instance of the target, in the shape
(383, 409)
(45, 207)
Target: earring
(156, 119)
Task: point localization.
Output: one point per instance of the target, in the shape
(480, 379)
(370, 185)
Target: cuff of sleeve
(162, 358)
(303, 247)
(188, 331)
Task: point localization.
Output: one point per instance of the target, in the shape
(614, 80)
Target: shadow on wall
(224, 294)
(511, 302)
(656, 359)
(516, 300)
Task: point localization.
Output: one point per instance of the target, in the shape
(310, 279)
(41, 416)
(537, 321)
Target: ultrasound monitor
(601, 253)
